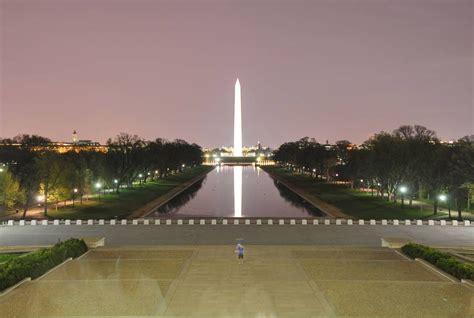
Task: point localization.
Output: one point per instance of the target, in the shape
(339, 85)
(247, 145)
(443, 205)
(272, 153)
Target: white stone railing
(240, 221)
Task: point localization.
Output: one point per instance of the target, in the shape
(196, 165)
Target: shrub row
(39, 262)
(443, 261)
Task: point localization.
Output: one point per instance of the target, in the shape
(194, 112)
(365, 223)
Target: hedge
(443, 261)
(39, 262)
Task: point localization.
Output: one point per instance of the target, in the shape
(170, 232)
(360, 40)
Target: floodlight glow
(237, 121)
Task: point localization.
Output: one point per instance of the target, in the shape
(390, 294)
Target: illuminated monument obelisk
(237, 121)
(237, 151)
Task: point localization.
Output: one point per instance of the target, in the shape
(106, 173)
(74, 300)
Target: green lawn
(128, 200)
(354, 203)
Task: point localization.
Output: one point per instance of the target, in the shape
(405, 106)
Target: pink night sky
(325, 69)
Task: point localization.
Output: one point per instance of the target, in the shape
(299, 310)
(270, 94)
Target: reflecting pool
(238, 191)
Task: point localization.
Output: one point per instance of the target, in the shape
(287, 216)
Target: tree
(10, 192)
(50, 167)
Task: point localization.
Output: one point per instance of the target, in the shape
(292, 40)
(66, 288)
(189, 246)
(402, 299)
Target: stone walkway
(207, 281)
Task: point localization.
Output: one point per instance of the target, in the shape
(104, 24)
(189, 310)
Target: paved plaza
(353, 235)
(207, 281)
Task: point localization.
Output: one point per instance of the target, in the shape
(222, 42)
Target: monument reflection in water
(238, 191)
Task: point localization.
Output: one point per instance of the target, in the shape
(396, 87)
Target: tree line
(31, 170)
(409, 162)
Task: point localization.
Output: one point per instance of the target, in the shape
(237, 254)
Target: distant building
(74, 137)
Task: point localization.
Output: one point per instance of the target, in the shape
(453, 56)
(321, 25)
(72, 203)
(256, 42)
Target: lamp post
(443, 198)
(403, 190)
(74, 192)
(98, 186)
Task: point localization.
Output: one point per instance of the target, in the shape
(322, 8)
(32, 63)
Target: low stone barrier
(238, 221)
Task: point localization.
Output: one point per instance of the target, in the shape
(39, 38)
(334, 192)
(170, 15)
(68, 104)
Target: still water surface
(238, 191)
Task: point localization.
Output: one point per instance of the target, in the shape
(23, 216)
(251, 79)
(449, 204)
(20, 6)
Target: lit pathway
(207, 281)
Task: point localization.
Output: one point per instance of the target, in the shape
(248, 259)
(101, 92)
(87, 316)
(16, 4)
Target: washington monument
(237, 121)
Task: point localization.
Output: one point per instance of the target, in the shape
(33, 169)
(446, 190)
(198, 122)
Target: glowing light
(1, 169)
(40, 198)
(443, 197)
(140, 175)
(337, 174)
(238, 191)
(237, 121)
(115, 181)
(183, 165)
(98, 185)
(403, 189)
(75, 190)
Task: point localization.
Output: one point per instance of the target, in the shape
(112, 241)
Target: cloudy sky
(341, 69)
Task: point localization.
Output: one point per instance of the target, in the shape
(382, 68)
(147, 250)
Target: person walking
(240, 252)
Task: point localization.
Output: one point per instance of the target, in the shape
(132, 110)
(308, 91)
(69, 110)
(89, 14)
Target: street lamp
(443, 197)
(74, 191)
(403, 190)
(98, 185)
